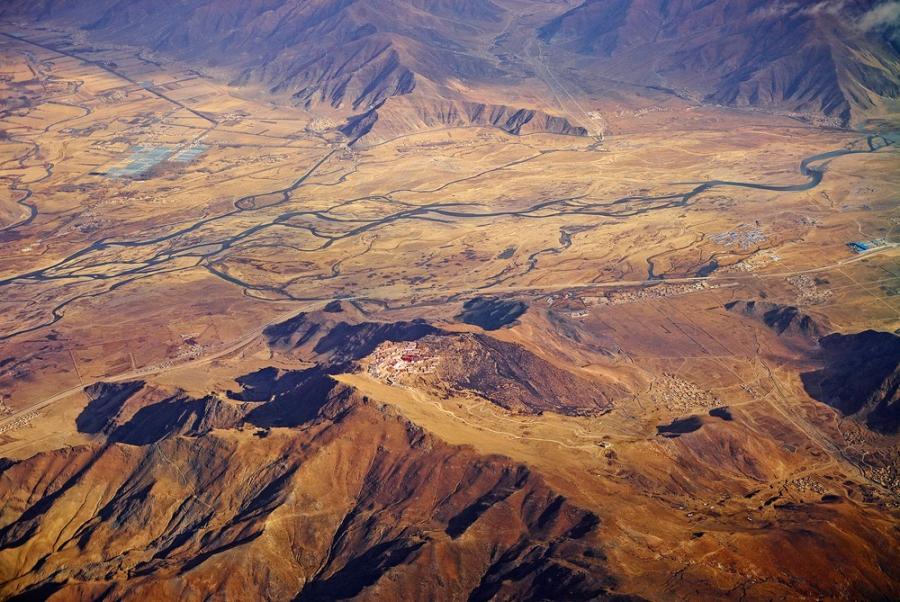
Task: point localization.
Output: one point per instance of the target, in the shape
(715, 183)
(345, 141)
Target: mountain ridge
(354, 57)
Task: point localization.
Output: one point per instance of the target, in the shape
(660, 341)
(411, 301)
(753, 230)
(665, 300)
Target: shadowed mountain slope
(860, 377)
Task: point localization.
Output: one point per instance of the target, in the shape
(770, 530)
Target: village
(579, 306)
(658, 291)
(677, 395)
(808, 290)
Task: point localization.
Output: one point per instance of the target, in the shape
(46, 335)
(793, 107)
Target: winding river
(208, 253)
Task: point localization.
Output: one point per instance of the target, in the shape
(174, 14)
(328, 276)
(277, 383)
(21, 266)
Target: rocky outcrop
(860, 378)
(783, 319)
(106, 402)
(509, 119)
(513, 377)
(679, 427)
(133, 413)
(335, 343)
(357, 126)
(448, 113)
(491, 313)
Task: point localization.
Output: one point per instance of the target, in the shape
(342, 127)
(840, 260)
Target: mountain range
(522, 65)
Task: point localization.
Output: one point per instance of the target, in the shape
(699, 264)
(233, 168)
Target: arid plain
(645, 305)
